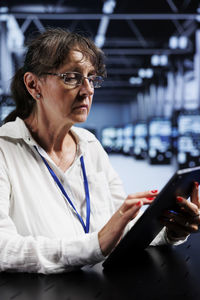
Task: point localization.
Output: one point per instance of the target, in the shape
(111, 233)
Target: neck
(51, 136)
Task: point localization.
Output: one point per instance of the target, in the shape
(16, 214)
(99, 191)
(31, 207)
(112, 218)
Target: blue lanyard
(86, 226)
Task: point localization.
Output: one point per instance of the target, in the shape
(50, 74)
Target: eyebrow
(79, 70)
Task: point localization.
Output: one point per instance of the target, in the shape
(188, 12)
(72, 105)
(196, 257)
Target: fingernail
(138, 203)
(179, 199)
(150, 198)
(197, 184)
(154, 191)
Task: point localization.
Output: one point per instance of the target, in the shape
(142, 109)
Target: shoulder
(15, 130)
(7, 129)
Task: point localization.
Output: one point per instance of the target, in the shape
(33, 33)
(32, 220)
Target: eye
(70, 75)
(70, 78)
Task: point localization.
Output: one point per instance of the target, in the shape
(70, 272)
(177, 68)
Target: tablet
(148, 225)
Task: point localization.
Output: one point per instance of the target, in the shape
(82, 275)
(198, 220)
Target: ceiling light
(99, 40)
(163, 60)
(145, 73)
(173, 42)
(109, 6)
(178, 42)
(15, 38)
(155, 60)
(135, 80)
(3, 9)
(149, 73)
(183, 41)
(142, 73)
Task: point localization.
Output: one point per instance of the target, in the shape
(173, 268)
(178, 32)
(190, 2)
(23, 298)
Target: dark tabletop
(155, 273)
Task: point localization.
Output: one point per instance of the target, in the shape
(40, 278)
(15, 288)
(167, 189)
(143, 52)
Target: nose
(86, 87)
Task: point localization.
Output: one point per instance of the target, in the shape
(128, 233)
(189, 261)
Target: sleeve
(162, 239)
(40, 254)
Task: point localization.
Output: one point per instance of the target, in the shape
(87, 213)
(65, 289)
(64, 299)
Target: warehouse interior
(147, 113)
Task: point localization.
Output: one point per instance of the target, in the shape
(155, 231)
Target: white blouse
(39, 231)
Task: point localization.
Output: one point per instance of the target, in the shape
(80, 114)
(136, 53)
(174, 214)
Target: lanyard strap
(86, 226)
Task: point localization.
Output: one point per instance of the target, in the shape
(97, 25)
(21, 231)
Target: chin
(80, 119)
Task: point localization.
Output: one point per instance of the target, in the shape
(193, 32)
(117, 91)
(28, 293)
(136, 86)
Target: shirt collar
(18, 130)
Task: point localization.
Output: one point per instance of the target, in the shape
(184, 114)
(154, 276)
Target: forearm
(44, 255)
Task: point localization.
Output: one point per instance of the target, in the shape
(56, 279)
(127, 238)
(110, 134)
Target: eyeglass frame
(62, 75)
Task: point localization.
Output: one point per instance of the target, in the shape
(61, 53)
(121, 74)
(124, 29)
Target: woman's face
(64, 103)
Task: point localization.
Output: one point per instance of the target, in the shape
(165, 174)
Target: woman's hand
(186, 219)
(111, 233)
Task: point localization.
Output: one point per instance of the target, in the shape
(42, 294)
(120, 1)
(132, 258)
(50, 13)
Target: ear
(31, 82)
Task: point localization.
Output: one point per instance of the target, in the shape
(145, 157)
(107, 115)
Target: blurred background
(147, 114)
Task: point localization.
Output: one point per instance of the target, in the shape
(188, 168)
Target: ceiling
(130, 33)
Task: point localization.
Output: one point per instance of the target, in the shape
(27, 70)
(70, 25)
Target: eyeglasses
(75, 79)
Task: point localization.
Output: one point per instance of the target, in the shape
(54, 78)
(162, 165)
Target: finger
(145, 194)
(131, 205)
(187, 206)
(195, 194)
(147, 200)
(129, 209)
(189, 223)
(178, 230)
(181, 217)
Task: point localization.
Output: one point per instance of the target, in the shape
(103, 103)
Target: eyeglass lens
(77, 79)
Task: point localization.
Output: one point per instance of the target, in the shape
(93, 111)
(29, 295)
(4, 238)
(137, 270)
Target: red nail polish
(150, 198)
(197, 184)
(179, 199)
(154, 191)
(138, 203)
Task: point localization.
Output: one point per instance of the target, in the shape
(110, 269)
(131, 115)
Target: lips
(81, 106)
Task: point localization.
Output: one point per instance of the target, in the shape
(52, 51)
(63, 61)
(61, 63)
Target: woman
(62, 205)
